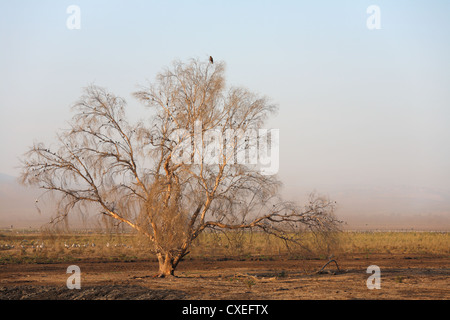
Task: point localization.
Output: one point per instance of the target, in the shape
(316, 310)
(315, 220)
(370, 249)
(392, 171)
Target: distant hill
(17, 204)
(389, 208)
(6, 178)
(18, 207)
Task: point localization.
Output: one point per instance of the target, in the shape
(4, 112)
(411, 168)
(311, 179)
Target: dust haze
(368, 208)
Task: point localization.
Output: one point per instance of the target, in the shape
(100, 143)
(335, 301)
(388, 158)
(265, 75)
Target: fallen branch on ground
(321, 271)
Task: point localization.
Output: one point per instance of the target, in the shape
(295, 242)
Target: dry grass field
(414, 265)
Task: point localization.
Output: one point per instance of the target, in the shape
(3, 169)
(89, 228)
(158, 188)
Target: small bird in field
(211, 59)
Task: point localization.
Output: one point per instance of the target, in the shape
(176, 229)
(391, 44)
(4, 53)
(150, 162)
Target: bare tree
(128, 173)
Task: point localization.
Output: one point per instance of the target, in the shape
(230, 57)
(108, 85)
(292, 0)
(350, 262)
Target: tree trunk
(166, 265)
(168, 262)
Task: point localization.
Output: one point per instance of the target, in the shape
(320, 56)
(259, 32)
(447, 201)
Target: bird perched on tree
(211, 59)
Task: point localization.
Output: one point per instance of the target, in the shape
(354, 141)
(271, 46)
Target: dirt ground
(402, 277)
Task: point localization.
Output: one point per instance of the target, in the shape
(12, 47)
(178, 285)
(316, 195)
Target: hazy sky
(359, 109)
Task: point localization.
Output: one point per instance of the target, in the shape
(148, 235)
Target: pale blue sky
(357, 107)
